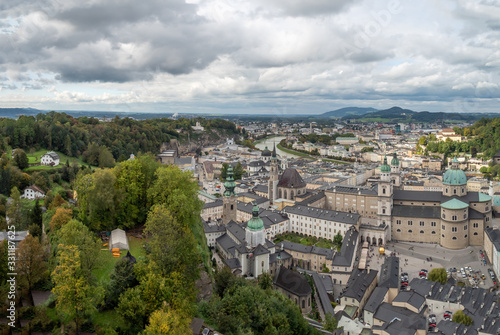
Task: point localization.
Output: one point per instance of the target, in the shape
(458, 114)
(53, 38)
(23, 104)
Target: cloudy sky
(255, 56)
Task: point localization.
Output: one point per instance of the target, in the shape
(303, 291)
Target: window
(446, 191)
(454, 218)
(443, 227)
(383, 191)
(442, 235)
(433, 224)
(487, 218)
(465, 236)
(383, 210)
(444, 216)
(410, 223)
(454, 238)
(422, 223)
(399, 230)
(465, 216)
(421, 232)
(433, 232)
(410, 231)
(486, 208)
(398, 221)
(454, 191)
(465, 227)
(475, 225)
(453, 229)
(475, 234)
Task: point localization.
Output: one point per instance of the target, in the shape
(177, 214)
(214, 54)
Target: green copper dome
(385, 168)
(255, 223)
(229, 184)
(454, 176)
(395, 160)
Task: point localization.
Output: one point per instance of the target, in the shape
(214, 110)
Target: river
(270, 142)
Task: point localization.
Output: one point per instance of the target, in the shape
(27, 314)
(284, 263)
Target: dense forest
(84, 136)
(482, 139)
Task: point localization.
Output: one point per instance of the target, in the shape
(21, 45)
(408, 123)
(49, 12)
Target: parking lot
(417, 256)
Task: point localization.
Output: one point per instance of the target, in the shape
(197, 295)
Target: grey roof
(451, 328)
(312, 198)
(421, 286)
(494, 236)
(247, 208)
(306, 249)
(473, 214)
(376, 299)
(227, 244)
(358, 283)
(323, 214)
(233, 263)
(183, 160)
(216, 203)
(214, 228)
(327, 282)
(389, 273)
(261, 188)
(270, 218)
(349, 245)
(281, 253)
(355, 189)
(291, 178)
(52, 154)
(257, 163)
(293, 282)
(260, 250)
(438, 197)
(322, 294)
(237, 231)
(410, 297)
(407, 320)
(417, 211)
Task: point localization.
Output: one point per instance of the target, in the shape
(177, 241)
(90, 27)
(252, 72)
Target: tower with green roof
(229, 204)
(255, 232)
(395, 172)
(454, 181)
(385, 191)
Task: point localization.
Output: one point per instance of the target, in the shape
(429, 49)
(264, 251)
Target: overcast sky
(255, 56)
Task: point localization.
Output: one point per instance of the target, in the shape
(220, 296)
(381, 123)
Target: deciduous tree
(60, 218)
(75, 298)
(31, 265)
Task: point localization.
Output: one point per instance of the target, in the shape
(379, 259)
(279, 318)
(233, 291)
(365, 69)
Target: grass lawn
(305, 240)
(34, 158)
(107, 261)
(293, 152)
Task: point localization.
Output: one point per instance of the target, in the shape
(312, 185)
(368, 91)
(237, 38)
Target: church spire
(229, 184)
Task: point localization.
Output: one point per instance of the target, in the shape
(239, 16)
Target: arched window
(399, 230)
(475, 233)
(421, 232)
(454, 238)
(433, 232)
(410, 231)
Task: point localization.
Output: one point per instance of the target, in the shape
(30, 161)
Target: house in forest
(50, 159)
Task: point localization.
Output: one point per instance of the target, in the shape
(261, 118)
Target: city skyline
(250, 57)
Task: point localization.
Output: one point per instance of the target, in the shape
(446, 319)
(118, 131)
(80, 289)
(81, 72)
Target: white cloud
(249, 55)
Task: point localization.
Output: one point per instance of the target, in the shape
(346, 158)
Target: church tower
(255, 233)
(229, 198)
(385, 192)
(395, 172)
(273, 177)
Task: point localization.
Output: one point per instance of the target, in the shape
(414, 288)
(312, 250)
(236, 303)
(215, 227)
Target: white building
(50, 159)
(33, 192)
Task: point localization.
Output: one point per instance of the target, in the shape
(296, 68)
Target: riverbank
(293, 152)
(301, 154)
(265, 139)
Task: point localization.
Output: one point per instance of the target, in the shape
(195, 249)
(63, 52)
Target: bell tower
(385, 192)
(229, 197)
(273, 177)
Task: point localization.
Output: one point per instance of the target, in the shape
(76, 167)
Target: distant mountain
(398, 114)
(13, 113)
(347, 111)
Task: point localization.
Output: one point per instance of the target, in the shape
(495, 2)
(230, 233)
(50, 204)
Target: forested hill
(486, 136)
(75, 136)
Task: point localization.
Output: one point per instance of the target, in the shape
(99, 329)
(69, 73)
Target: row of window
(422, 223)
(432, 232)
